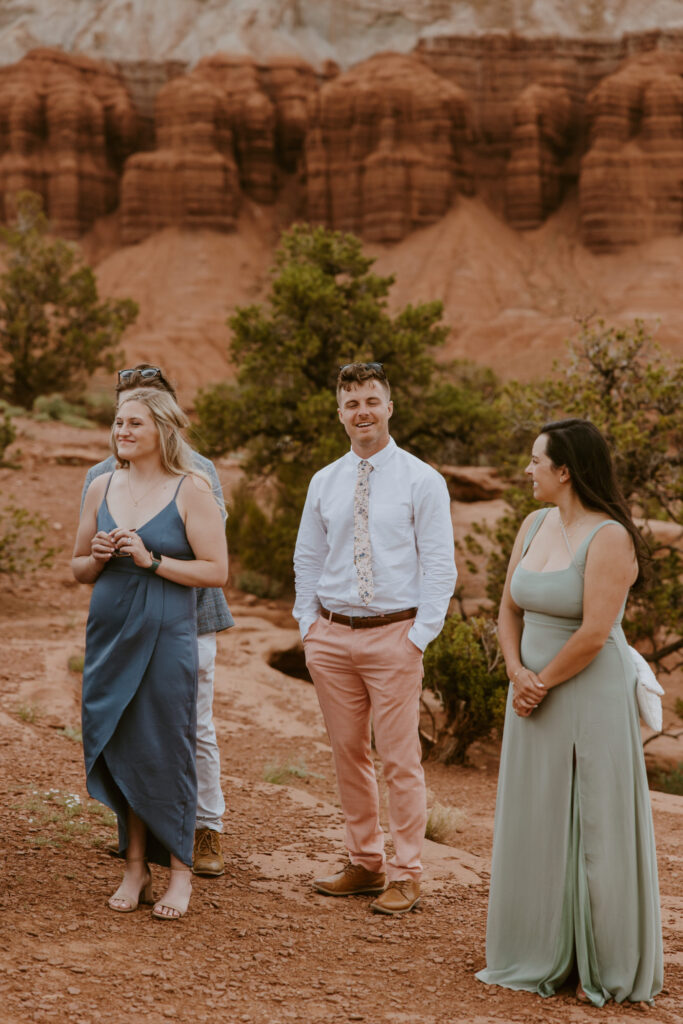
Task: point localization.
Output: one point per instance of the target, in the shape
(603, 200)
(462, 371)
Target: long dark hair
(579, 445)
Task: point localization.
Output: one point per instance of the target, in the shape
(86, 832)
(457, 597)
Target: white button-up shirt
(411, 535)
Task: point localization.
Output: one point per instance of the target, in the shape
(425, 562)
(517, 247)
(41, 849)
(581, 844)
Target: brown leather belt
(368, 621)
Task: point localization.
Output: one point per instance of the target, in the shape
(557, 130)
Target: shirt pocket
(391, 527)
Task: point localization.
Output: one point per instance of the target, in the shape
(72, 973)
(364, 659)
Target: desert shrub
(100, 407)
(56, 407)
(54, 329)
(258, 584)
(678, 707)
(22, 542)
(465, 669)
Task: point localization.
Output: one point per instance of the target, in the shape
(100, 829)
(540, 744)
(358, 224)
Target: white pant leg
(210, 802)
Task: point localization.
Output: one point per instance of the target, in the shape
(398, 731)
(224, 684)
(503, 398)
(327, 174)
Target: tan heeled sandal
(145, 894)
(179, 907)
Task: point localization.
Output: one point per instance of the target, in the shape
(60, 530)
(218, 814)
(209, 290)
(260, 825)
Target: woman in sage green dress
(574, 876)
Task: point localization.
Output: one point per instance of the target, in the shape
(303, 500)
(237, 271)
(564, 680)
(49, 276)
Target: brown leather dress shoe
(207, 858)
(352, 879)
(398, 898)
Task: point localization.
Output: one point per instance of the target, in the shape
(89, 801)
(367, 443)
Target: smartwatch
(156, 561)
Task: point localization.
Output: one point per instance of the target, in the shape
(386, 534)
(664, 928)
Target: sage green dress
(574, 873)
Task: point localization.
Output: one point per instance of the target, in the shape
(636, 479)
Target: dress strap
(582, 550)
(533, 529)
(106, 492)
(183, 477)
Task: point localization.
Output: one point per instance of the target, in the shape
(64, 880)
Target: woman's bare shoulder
(612, 537)
(98, 486)
(200, 484)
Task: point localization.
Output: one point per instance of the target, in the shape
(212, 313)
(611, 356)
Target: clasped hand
(527, 692)
(119, 542)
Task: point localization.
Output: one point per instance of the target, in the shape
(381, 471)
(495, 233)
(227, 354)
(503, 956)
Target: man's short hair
(358, 373)
(135, 379)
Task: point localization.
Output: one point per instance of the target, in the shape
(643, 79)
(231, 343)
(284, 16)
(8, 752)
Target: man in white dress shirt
(375, 571)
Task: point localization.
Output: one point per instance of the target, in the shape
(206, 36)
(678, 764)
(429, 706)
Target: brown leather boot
(398, 898)
(207, 858)
(352, 879)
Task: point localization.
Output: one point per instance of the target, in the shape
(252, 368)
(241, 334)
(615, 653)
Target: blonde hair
(176, 455)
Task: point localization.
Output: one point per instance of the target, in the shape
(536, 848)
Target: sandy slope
(511, 299)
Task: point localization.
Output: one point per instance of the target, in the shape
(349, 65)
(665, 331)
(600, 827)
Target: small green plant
(29, 713)
(61, 817)
(76, 662)
(678, 707)
(443, 823)
(281, 774)
(103, 813)
(671, 781)
(72, 732)
(22, 542)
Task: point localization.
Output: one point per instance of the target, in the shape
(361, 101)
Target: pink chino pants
(359, 673)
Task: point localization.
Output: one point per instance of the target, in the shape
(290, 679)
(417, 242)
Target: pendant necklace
(143, 496)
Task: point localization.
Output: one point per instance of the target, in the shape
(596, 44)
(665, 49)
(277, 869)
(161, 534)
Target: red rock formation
(387, 149)
(540, 141)
(229, 126)
(66, 126)
(191, 179)
(630, 183)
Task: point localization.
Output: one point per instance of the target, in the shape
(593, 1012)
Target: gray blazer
(213, 614)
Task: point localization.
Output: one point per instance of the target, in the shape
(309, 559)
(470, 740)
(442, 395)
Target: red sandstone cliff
(381, 149)
(387, 149)
(66, 126)
(228, 128)
(631, 188)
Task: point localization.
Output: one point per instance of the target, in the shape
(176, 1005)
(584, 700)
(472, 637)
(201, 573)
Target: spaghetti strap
(111, 477)
(183, 477)
(533, 529)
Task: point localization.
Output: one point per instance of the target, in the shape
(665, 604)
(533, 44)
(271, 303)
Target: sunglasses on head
(377, 367)
(148, 374)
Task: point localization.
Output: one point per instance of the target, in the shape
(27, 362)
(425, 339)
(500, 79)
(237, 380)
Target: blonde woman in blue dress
(574, 877)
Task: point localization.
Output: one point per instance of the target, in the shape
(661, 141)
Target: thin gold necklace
(577, 522)
(143, 496)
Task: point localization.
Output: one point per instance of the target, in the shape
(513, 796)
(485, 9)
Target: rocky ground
(258, 946)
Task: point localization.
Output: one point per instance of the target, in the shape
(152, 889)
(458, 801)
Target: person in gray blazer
(213, 616)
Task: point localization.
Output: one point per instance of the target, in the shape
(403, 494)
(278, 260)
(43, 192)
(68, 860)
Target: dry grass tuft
(443, 823)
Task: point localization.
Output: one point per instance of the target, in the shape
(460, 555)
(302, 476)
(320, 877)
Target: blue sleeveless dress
(139, 709)
(574, 871)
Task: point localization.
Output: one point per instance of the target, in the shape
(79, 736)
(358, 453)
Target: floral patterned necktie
(362, 552)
